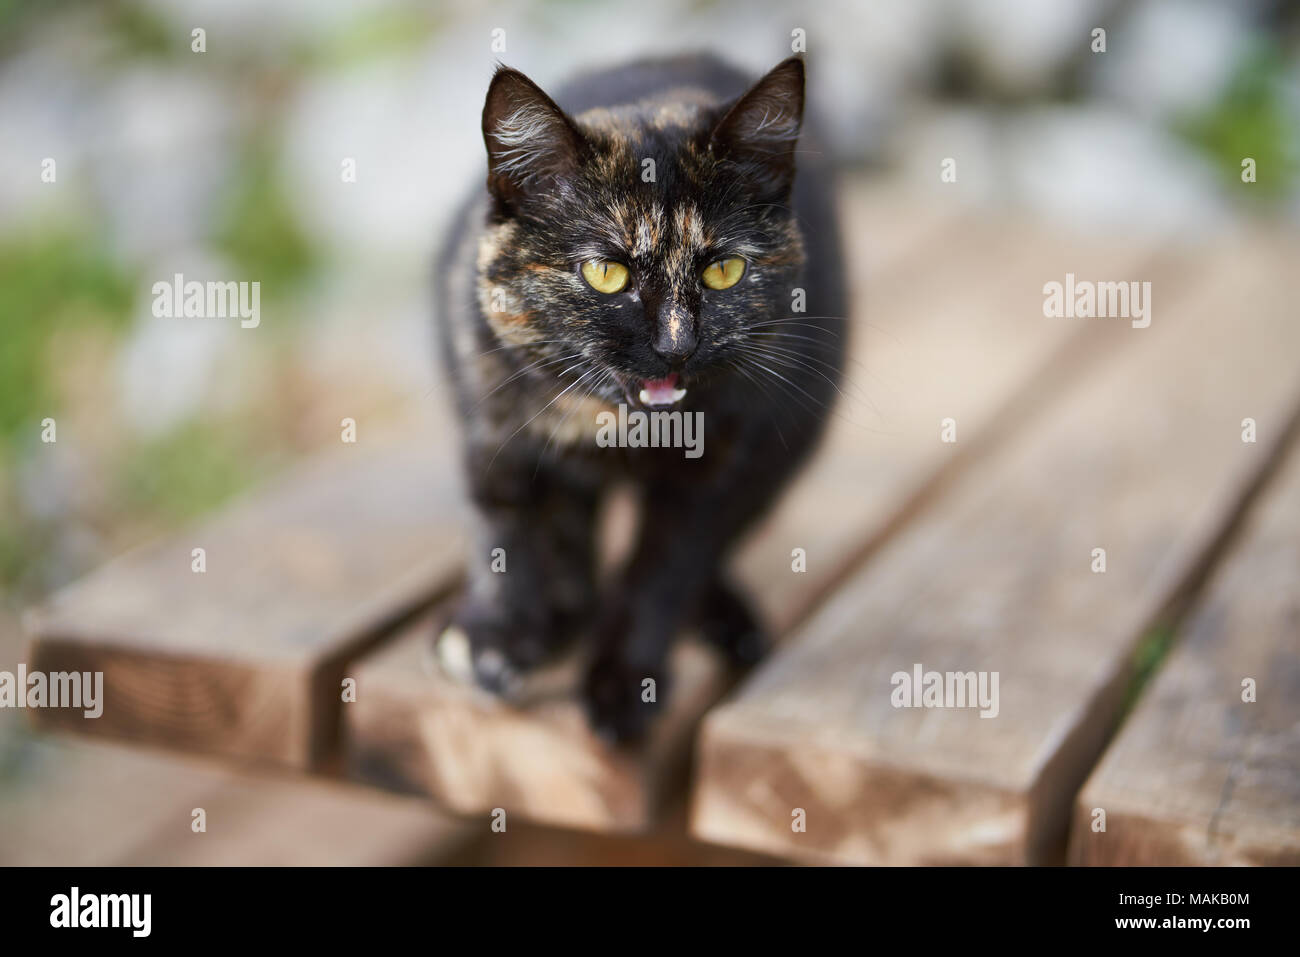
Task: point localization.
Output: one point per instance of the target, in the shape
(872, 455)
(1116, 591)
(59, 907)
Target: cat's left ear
(531, 144)
(761, 129)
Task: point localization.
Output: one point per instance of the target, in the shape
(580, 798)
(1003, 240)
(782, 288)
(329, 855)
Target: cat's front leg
(673, 580)
(628, 676)
(530, 579)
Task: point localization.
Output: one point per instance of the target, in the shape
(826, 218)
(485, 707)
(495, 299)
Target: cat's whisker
(834, 410)
(818, 343)
(733, 364)
(848, 359)
(446, 384)
(532, 366)
(777, 376)
(799, 351)
(534, 416)
(809, 323)
(790, 358)
(847, 321)
(786, 361)
(589, 393)
(798, 359)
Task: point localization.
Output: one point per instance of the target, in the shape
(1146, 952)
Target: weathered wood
(411, 730)
(246, 658)
(1142, 458)
(415, 731)
(84, 803)
(666, 844)
(971, 346)
(1198, 775)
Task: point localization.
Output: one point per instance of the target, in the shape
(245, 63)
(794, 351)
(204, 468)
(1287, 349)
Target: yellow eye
(724, 273)
(605, 276)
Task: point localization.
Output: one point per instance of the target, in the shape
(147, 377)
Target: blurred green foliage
(139, 32)
(57, 279)
(1151, 650)
(192, 469)
(257, 229)
(15, 551)
(1252, 118)
(133, 29)
(49, 283)
(377, 33)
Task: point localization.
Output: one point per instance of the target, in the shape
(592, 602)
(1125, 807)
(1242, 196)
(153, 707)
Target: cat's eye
(605, 276)
(724, 273)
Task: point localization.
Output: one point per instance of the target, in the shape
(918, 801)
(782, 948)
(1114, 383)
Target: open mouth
(659, 393)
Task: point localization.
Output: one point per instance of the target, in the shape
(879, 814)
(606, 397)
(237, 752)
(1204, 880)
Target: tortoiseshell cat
(708, 280)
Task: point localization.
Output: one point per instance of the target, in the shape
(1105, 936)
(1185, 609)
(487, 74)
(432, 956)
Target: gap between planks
(245, 658)
(1198, 775)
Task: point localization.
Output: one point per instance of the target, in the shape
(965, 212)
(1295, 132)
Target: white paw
(454, 655)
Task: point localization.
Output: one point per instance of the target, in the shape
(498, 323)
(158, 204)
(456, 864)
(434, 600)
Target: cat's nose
(675, 339)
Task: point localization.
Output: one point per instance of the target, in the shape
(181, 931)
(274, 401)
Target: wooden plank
(84, 803)
(1198, 775)
(666, 844)
(246, 658)
(415, 731)
(883, 459)
(1142, 458)
(412, 731)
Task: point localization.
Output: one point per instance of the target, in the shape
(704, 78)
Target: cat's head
(635, 250)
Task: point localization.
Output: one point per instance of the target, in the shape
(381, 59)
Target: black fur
(534, 353)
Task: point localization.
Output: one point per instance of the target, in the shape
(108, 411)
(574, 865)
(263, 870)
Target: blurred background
(228, 163)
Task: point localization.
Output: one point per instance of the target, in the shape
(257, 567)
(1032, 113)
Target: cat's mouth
(657, 393)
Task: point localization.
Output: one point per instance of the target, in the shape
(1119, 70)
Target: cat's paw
(622, 699)
(728, 623)
(484, 650)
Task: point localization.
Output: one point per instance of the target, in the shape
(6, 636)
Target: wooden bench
(968, 555)
(1143, 458)
(1205, 770)
(247, 657)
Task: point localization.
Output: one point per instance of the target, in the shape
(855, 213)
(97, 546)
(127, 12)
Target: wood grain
(1198, 775)
(666, 844)
(1142, 457)
(412, 731)
(246, 658)
(93, 803)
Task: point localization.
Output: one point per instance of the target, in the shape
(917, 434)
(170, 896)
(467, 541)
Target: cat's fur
(565, 185)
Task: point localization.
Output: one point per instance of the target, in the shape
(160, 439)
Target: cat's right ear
(531, 144)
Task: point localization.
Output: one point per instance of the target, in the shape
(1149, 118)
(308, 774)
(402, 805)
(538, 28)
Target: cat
(644, 241)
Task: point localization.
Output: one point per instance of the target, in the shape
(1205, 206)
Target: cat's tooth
(677, 396)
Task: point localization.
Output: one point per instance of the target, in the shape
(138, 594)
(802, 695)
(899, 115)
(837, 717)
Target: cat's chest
(642, 444)
(571, 421)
